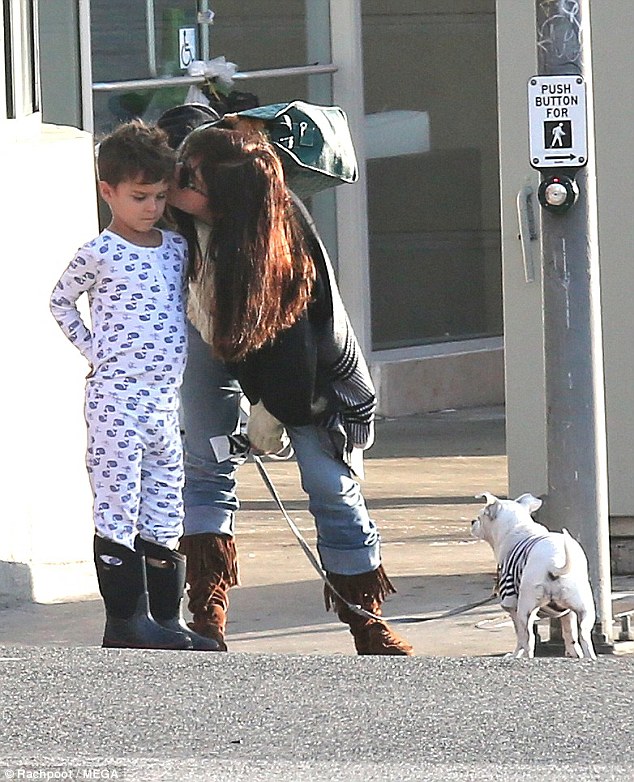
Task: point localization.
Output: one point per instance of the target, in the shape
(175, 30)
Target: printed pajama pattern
(137, 348)
(135, 466)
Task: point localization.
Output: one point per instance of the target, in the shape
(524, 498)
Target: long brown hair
(257, 258)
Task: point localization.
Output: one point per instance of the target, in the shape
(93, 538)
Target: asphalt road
(88, 713)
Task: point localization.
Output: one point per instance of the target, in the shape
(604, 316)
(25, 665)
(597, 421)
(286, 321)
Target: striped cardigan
(340, 355)
(314, 372)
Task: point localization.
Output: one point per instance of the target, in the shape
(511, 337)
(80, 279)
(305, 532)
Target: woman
(263, 301)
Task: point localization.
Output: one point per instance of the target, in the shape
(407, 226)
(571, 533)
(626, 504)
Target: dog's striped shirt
(512, 567)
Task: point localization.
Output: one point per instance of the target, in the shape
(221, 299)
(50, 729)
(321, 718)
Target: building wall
(612, 24)
(522, 298)
(48, 204)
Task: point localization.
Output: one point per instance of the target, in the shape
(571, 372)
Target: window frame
(20, 88)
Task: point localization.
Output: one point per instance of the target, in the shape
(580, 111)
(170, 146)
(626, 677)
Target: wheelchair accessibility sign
(186, 46)
(557, 122)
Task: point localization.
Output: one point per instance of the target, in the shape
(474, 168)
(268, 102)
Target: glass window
(142, 40)
(433, 197)
(145, 40)
(21, 58)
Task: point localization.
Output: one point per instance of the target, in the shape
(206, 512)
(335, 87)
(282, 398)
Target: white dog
(540, 572)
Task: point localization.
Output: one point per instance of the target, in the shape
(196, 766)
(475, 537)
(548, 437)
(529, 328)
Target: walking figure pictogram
(558, 134)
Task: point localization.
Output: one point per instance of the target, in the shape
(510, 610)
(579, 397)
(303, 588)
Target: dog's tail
(558, 572)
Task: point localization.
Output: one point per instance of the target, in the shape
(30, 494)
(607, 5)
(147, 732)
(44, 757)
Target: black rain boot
(165, 571)
(123, 586)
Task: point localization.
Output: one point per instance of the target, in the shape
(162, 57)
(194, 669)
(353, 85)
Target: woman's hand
(266, 434)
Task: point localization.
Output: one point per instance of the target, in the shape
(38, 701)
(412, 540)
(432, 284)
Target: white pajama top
(137, 346)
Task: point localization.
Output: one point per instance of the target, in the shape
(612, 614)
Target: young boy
(134, 277)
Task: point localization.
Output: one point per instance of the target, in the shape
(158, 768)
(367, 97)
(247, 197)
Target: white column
(352, 210)
(46, 545)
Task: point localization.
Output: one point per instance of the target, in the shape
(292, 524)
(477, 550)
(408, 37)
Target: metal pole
(346, 26)
(150, 26)
(204, 26)
(181, 81)
(576, 432)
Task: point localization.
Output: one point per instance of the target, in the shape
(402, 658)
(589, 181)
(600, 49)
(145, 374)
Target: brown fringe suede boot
(369, 590)
(212, 568)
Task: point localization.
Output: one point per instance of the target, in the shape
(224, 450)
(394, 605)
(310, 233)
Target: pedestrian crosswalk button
(557, 193)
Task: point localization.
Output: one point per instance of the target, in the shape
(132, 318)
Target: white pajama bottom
(135, 466)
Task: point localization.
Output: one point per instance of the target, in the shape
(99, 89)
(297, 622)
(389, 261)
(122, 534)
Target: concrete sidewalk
(421, 478)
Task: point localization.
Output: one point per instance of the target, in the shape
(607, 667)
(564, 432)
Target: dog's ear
(492, 503)
(529, 502)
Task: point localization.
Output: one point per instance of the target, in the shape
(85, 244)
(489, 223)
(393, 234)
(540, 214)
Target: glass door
(147, 39)
(141, 53)
(432, 170)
